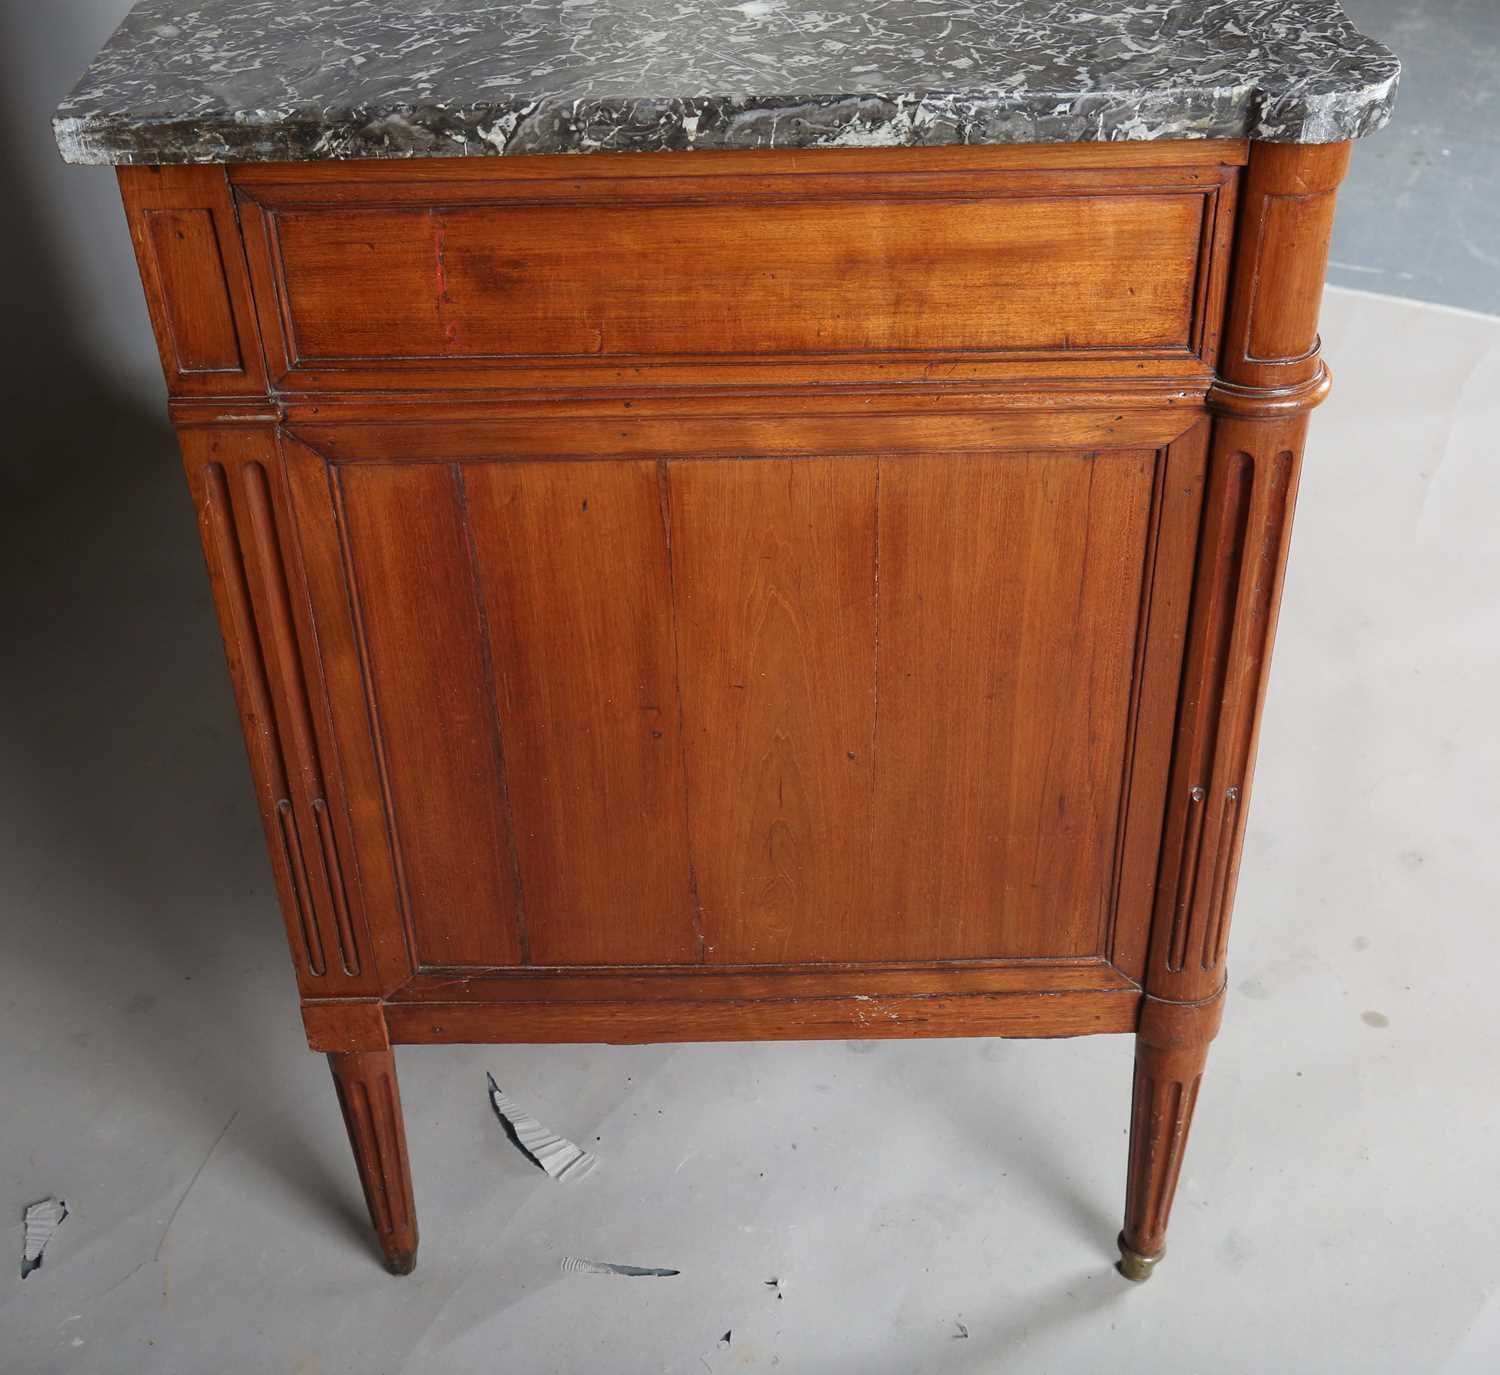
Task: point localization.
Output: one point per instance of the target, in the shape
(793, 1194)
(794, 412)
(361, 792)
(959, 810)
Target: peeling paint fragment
(572, 1265)
(548, 1151)
(42, 1220)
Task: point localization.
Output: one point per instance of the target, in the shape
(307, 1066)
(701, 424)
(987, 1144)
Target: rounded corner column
(1270, 375)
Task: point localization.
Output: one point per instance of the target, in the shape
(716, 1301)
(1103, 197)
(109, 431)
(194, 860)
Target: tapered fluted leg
(371, 1103)
(1269, 377)
(1170, 1050)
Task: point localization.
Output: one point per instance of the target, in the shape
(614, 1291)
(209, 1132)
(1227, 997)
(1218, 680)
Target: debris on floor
(573, 1266)
(42, 1220)
(962, 1333)
(555, 1154)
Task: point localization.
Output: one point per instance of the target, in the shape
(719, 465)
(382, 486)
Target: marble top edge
(315, 80)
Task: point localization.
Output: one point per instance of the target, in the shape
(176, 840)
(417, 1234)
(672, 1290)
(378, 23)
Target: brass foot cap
(401, 1262)
(1133, 1265)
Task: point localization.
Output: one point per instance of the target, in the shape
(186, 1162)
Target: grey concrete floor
(1340, 1201)
(1420, 212)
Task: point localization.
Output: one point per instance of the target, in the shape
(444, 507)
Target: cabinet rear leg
(371, 1103)
(1170, 1050)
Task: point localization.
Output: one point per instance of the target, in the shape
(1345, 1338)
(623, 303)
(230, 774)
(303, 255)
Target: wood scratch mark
(440, 269)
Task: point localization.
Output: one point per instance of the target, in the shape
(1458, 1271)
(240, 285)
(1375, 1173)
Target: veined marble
(297, 80)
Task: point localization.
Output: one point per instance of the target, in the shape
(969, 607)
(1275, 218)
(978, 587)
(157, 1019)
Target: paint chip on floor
(572, 1265)
(548, 1151)
(42, 1221)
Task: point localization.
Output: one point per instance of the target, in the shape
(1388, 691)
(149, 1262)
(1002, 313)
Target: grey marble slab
(258, 80)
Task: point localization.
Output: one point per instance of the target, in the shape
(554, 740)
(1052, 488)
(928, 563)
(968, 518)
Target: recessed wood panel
(196, 296)
(775, 566)
(755, 711)
(192, 262)
(572, 559)
(833, 275)
(418, 610)
(1009, 592)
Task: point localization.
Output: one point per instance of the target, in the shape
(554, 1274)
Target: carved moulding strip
(235, 479)
(224, 549)
(279, 628)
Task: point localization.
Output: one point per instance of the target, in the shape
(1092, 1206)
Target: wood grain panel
(1271, 321)
(192, 262)
(844, 275)
(775, 567)
(1293, 249)
(417, 606)
(1009, 591)
(573, 562)
(185, 249)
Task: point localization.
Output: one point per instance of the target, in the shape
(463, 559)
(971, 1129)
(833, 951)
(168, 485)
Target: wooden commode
(741, 565)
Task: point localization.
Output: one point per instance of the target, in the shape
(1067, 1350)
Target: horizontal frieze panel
(795, 275)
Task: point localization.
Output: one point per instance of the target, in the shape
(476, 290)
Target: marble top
(258, 80)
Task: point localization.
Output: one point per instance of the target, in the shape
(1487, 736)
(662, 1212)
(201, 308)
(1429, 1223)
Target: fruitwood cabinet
(749, 595)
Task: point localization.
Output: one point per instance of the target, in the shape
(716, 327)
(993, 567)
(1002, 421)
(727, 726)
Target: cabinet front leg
(1171, 1047)
(371, 1103)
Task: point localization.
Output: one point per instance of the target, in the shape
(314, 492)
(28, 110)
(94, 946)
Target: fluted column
(1271, 374)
